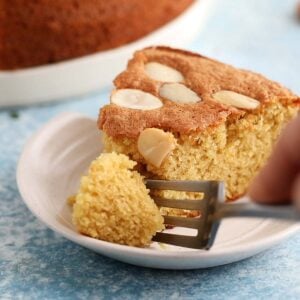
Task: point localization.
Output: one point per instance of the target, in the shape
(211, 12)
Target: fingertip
(260, 193)
(296, 192)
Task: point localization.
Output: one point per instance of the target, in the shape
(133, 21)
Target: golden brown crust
(121, 122)
(40, 32)
(204, 76)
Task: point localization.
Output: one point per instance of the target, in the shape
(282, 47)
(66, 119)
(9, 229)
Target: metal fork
(212, 208)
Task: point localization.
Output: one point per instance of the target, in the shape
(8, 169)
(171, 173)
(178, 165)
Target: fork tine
(180, 240)
(182, 204)
(181, 185)
(206, 226)
(183, 222)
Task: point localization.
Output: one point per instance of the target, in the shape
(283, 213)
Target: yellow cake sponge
(113, 203)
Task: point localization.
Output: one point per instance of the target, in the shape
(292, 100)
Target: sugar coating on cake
(113, 204)
(40, 32)
(226, 134)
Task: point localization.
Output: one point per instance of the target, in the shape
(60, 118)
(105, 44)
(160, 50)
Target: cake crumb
(71, 200)
(113, 203)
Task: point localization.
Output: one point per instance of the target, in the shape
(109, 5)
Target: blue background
(36, 263)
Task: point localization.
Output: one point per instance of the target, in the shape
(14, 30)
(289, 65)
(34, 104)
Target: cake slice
(113, 204)
(181, 115)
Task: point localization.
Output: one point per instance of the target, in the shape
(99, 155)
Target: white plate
(49, 171)
(93, 72)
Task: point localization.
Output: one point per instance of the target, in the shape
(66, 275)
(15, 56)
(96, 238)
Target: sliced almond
(178, 92)
(155, 145)
(235, 99)
(135, 99)
(163, 73)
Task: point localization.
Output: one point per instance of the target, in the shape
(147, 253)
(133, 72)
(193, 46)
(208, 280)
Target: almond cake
(113, 204)
(34, 33)
(181, 115)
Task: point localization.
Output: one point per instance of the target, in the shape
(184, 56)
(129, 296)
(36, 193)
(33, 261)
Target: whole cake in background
(181, 115)
(34, 33)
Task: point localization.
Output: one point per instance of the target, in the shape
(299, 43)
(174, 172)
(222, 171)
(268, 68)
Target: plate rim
(89, 242)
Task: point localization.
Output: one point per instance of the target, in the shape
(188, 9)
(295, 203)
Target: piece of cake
(181, 115)
(113, 204)
(40, 32)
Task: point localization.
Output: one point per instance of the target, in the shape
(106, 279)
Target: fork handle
(250, 209)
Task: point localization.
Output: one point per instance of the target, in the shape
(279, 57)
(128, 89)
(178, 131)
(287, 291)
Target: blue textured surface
(36, 263)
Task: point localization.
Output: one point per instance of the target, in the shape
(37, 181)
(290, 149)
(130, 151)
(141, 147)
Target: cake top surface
(63, 29)
(191, 93)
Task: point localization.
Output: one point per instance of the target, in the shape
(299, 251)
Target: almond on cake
(181, 115)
